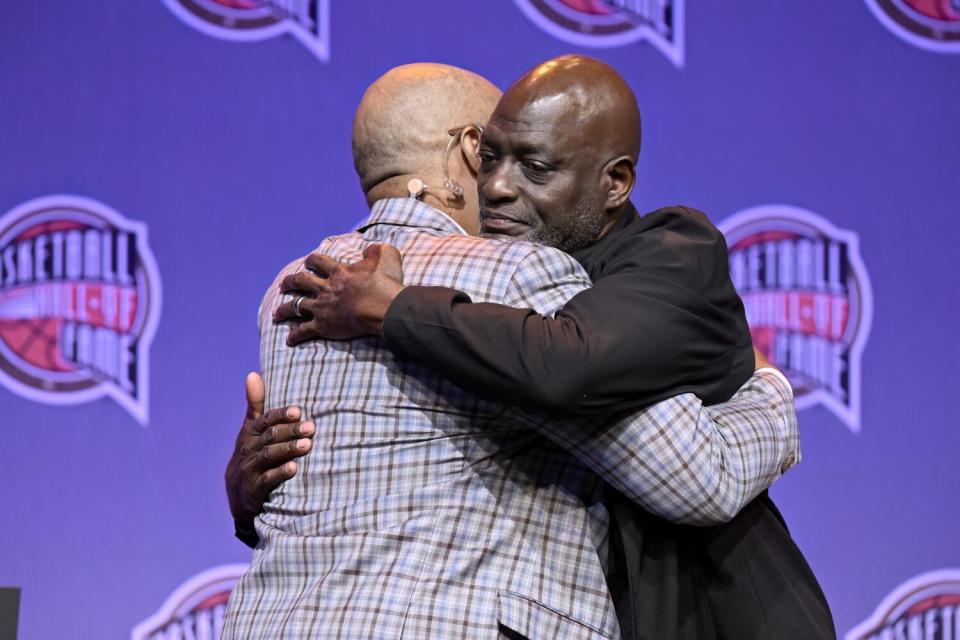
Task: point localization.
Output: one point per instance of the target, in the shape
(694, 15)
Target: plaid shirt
(425, 512)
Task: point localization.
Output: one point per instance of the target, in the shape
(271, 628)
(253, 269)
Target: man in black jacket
(557, 166)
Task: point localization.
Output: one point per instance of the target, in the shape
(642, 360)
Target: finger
(286, 432)
(373, 251)
(276, 455)
(391, 262)
(303, 282)
(287, 311)
(255, 395)
(271, 479)
(303, 332)
(286, 283)
(283, 415)
(297, 335)
(320, 264)
(387, 259)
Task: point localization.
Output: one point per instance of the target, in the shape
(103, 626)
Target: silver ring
(296, 305)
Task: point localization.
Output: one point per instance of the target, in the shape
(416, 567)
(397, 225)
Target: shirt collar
(409, 212)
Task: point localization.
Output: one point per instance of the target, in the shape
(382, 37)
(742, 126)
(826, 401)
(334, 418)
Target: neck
(435, 196)
(613, 216)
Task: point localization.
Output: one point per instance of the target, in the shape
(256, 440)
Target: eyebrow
(519, 144)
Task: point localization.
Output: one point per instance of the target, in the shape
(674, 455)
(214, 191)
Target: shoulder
(530, 259)
(679, 244)
(503, 257)
(508, 251)
(526, 252)
(512, 272)
(685, 221)
(544, 278)
(674, 237)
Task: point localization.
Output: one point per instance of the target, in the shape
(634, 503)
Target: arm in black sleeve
(662, 318)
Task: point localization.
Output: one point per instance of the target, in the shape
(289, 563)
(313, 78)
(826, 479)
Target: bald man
(422, 511)
(557, 166)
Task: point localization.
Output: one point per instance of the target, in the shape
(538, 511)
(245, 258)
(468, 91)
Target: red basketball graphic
(595, 7)
(79, 303)
(923, 607)
(240, 4)
(808, 300)
(36, 341)
(195, 609)
(933, 25)
(255, 20)
(936, 9)
(31, 331)
(612, 23)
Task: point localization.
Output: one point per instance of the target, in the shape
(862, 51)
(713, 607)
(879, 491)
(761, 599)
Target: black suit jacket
(662, 318)
(742, 580)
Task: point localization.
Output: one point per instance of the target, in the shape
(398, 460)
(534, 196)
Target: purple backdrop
(235, 156)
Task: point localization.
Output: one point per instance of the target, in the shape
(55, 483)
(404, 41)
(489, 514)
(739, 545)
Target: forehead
(548, 123)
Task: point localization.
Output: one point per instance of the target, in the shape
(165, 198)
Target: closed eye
(536, 166)
(487, 157)
(537, 171)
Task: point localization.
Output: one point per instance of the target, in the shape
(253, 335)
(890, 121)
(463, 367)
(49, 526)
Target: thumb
(255, 395)
(372, 252)
(391, 262)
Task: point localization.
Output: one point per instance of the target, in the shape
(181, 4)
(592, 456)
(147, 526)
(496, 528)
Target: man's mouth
(496, 223)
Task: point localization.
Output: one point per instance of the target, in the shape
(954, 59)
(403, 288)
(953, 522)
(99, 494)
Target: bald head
(400, 128)
(559, 154)
(590, 95)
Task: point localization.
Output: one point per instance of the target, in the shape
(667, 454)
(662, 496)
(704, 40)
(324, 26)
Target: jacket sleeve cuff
(246, 533)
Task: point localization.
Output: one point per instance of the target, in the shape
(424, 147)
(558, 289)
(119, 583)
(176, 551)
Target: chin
(498, 235)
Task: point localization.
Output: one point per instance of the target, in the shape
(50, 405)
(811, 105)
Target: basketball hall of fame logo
(925, 607)
(252, 20)
(612, 23)
(195, 609)
(933, 25)
(79, 303)
(808, 301)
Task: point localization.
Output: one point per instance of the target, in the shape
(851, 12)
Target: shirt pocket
(535, 620)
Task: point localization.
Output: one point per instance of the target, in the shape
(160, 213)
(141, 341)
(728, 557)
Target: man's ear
(470, 147)
(619, 175)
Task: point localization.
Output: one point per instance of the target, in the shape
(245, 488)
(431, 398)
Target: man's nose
(499, 184)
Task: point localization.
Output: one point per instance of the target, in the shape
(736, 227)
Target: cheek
(481, 181)
(556, 206)
(593, 201)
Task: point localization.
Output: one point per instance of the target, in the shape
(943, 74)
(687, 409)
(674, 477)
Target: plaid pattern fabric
(425, 512)
(689, 463)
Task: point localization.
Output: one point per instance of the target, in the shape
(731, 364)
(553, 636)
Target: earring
(453, 187)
